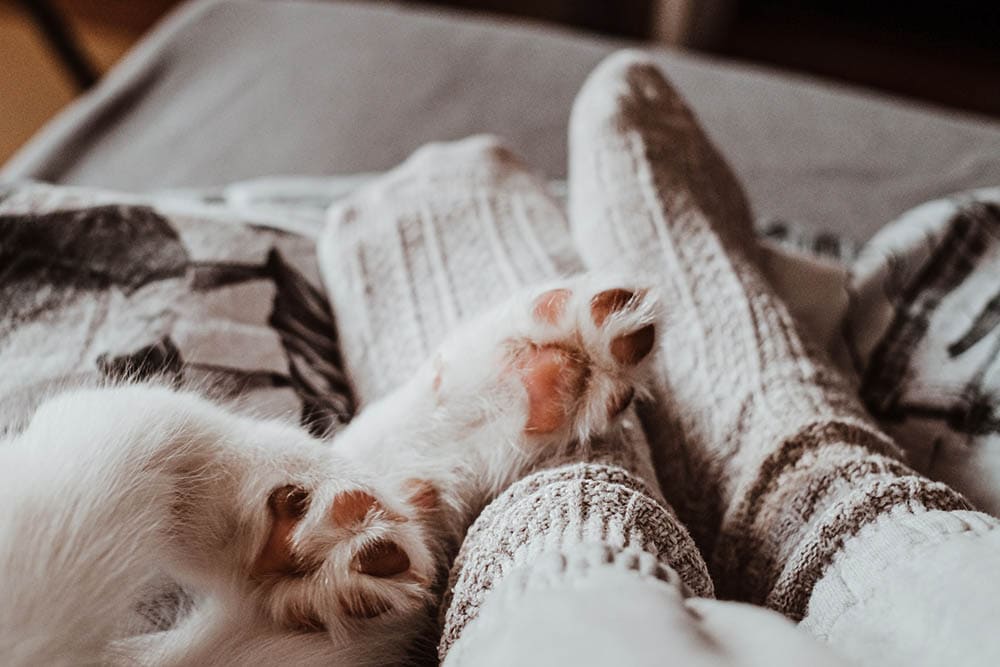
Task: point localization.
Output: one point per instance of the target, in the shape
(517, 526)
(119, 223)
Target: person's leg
(761, 446)
(450, 232)
(570, 567)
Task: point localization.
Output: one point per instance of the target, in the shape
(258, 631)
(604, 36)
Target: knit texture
(564, 521)
(913, 587)
(759, 444)
(896, 537)
(447, 234)
(452, 231)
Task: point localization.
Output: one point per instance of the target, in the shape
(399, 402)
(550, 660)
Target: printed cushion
(923, 332)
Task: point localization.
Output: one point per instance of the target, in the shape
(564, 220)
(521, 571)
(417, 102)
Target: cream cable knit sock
(913, 589)
(450, 232)
(777, 455)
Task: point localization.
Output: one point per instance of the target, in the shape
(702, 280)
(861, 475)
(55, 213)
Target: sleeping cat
(296, 551)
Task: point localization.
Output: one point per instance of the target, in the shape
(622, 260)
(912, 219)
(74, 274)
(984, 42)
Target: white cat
(295, 551)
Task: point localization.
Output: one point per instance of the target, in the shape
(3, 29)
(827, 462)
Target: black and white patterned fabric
(99, 287)
(922, 331)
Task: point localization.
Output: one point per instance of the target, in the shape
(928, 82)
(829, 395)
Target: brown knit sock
(761, 446)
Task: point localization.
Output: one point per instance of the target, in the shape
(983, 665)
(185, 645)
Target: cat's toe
(629, 313)
(582, 357)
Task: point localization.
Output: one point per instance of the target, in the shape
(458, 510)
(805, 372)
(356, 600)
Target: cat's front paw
(580, 361)
(338, 555)
(559, 363)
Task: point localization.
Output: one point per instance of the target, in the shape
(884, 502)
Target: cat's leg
(548, 372)
(108, 489)
(268, 527)
(77, 531)
(228, 636)
(104, 492)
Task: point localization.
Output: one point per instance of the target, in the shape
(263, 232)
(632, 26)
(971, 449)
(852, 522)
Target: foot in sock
(762, 448)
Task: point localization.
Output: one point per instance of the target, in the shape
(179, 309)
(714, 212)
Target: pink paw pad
(552, 376)
(556, 375)
(551, 305)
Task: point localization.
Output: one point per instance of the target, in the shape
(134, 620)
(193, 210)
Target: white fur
(108, 490)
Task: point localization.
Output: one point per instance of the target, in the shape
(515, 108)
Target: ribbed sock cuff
(560, 523)
(808, 498)
(903, 534)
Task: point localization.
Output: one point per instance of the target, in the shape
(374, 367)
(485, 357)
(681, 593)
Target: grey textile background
(232, 89)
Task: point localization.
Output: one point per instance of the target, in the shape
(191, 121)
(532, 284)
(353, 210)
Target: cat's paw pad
(581, 352)
(332, 558)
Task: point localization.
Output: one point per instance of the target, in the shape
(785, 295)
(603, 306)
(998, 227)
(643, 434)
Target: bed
(226, 90)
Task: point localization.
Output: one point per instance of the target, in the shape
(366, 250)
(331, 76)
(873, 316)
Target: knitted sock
(559, 527)
(913, 589)
(777, 464)
(450, 232)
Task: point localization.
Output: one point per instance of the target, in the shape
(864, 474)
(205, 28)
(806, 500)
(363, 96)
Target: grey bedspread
(233, 89)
